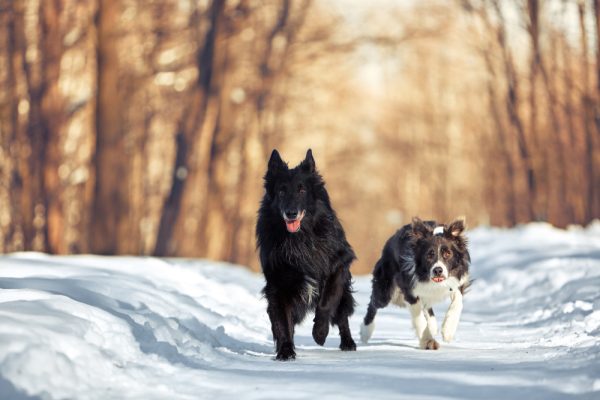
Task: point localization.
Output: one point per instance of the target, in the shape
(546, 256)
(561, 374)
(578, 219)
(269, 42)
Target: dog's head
(291, 193)
(440, 250)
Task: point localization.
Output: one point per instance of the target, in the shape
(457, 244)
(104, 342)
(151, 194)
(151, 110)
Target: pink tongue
(292, 226)
(440, 279)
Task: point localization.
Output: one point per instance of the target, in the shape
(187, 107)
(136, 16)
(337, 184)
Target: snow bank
(91, 327)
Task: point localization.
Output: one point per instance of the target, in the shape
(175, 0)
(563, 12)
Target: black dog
(422, 264)
(304, 255)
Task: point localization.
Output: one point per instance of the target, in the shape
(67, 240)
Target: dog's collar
(438, 231)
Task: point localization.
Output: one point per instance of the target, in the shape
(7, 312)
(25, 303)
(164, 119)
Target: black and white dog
(422, 264)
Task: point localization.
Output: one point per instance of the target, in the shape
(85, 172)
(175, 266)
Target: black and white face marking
(435, 253)
(439, 271)
(438, 256)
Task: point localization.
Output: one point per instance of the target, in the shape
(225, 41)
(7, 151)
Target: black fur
(407, 258)
(308, 270)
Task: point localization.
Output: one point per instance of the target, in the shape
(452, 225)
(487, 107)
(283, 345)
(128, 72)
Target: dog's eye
(431, 254)
(446, 254)
(281, 191)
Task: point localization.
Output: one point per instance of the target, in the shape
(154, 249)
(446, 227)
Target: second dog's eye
(446, 253)
(431, 254)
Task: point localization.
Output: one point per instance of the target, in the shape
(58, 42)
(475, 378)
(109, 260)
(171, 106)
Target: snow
(89, 327)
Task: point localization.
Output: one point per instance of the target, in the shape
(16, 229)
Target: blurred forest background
(144, 126)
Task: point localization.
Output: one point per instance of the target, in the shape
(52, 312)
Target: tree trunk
(512, 108)
(190, 134)
(591, 143)
(508, 187)
(11, 192)
(34, 198)
(557, 213)
(52, 108)
(110, 205)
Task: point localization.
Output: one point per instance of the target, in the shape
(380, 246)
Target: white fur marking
(429, 293)
(431, 323)
(418, 319)
(310, 289)
(366, 331)
(452, 316)
(439, 230)
(432, 293)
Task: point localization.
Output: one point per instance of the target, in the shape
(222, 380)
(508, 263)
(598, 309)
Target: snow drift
(88, 327)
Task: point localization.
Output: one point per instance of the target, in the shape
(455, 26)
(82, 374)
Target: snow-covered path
(91, 327)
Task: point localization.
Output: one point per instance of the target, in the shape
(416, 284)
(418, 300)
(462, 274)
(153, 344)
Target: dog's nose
(437, 271)
(291, 214)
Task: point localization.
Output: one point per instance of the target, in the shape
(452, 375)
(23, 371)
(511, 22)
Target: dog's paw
(286, 352)
(320, 331)
(448, 336)
(347, 345)
(429, 344)
(366, 331)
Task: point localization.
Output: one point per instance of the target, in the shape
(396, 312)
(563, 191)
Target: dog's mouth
(438, 279)
(293, 225)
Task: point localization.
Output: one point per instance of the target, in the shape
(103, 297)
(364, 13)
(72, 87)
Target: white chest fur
(431, 293)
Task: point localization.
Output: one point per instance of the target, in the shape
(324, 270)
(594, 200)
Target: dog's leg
(346, 341)
(368, 326)
(418, 319)
(452, 316)
(380, 298)
(426, 341)
(328, 303)
(344, 310)
(282, 328)
(431, 321)
(381, 295)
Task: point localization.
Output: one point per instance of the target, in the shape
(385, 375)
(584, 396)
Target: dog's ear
(456, 228)
(308, 164)
(276, 166)
(419, 229)
(275, 162)
(455, 232)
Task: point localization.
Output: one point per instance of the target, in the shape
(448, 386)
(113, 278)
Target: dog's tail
(466, 286)
(368, 325)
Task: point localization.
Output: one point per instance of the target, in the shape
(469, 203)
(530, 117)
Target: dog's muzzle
(293, 220)
(439, 272)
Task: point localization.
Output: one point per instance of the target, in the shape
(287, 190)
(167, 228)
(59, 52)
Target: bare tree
(196, 128)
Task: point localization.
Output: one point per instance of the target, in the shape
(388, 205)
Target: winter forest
(134, 138)
(144, 127)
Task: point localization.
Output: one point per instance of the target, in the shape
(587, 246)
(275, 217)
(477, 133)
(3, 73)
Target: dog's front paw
(347, 345)
(448, 336)
(320, 331)
(429, 344)
(286, 352)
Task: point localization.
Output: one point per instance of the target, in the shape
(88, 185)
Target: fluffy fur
(304, 254)
(422, 264)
